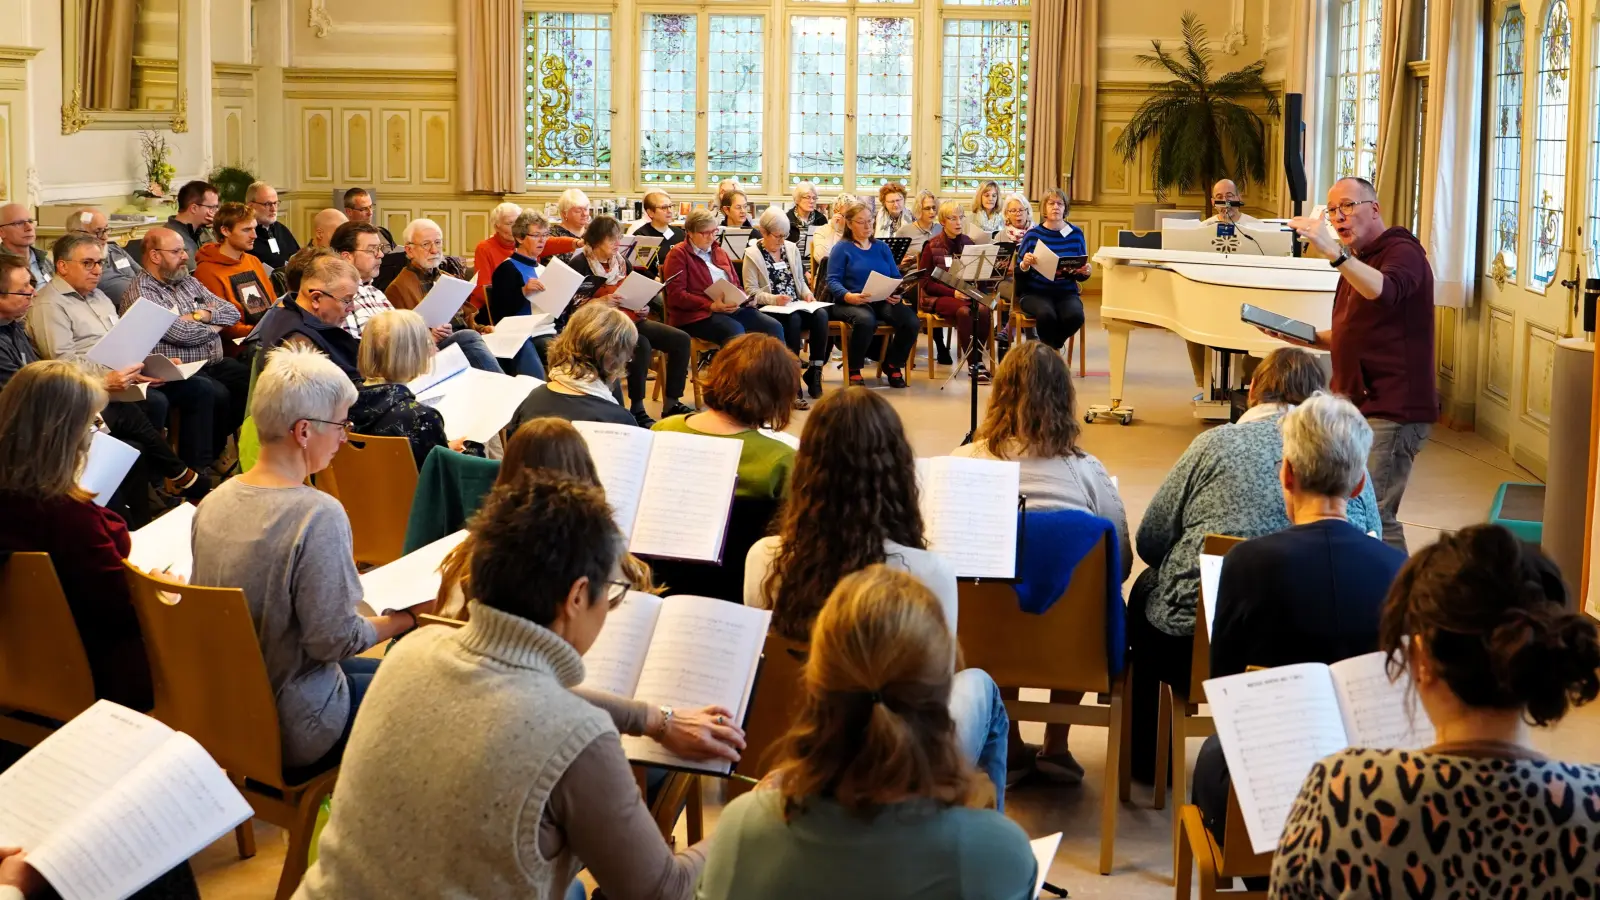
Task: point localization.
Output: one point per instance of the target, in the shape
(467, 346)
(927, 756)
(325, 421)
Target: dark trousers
(674, 343)
(235, 376)
(720, 328)
(1059, 317)
(902, 317)
(960, 310)
(202, 405)
(1157, 657)
(133, 424)
(797, 325)
(862, 322)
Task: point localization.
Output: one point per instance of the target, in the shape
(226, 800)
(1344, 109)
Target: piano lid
(1279, 273)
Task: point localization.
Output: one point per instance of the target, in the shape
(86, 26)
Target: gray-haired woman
(288, 546)
(774, 276)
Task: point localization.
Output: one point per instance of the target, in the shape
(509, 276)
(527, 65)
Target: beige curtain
(1451, 194)
(489, 94)
(105, 67)
(1398, 92)
(1063, 43)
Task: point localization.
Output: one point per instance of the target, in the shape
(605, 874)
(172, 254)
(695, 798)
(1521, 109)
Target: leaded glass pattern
(667, 69)
(735, 95)
(1358, 83)
(817, 99)
(1552, 92)
(1505, 204)
(985, 2)
(568, 90)
(984, 104)
(884, 76)
(1593, 225)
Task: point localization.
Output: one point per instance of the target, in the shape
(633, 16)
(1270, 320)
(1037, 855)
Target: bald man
(18, 232)
(324, 224)
(120, 266)
(1224, 197)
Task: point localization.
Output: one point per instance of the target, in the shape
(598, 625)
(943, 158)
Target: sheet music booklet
(511, 332)
(1276, 723)
(165, 545)
(670, 492)
(1210, 577)
(107, 465)
(475, 403)
(412, 579)
(683, 651)
(970, 509)
(112, 800)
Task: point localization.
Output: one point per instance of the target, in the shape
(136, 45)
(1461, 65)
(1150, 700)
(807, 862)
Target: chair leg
(294, 860)
(245, 837)
(1115, 739)
(933, 364)
(695, 812)
(1183, 866)
(1163, 729)
(1180, 752)
(1198, 845)
(1125, 779)
(844, 350)
(1083, 354)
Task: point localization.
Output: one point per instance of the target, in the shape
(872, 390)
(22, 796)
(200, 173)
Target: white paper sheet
(621, 454)
(1044, 853)
(129, 341)
(1045, 260)
(970, 510)
(165, 545)
(636, 290)
(446, 364)
(1210, 577)
(1378, 713)
(160, 367)
(444, 300)
(108, 463)
(410, 580)
(686, 496)
(977, 262)
(793, 440)
(613, 661)
(476, 404)
(724, 291)
(794, 306)
(880, 286)
(510, 333)
(561, 282)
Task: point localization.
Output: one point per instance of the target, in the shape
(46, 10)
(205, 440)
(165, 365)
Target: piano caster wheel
(1126, 419)
(1088, 418)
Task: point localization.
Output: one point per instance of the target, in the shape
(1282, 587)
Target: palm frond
(1196, 48)
(1163, 60)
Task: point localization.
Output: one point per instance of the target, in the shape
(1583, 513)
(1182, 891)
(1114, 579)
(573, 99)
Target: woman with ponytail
(1480, 623)
(871, 795)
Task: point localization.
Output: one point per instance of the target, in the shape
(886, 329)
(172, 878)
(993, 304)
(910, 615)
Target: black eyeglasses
(16, 293)
(616, 592)
(348, 426)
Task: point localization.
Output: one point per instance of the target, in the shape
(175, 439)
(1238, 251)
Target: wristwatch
(666, 719)
(1340, 260)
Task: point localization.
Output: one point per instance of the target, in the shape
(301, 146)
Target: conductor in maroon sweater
(1382, 335)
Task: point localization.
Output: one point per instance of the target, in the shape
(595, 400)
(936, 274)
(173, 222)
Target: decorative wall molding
(318, 19)
(334, 76)
(352, 64)
(1235, 39)
(394, 29)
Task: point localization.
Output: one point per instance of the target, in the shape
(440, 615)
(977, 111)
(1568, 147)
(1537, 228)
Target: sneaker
(1059, 767)
(813, 380)
(897, 379)
(643, 418)
(856, 380)
(800, 401)
(678, 409)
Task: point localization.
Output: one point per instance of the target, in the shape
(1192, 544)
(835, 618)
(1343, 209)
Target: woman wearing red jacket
(691, 268)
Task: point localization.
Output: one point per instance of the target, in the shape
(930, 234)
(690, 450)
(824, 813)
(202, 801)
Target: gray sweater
(474, 770)
(290, 550)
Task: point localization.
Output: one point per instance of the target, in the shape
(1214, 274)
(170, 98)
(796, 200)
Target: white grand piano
(1197, 296)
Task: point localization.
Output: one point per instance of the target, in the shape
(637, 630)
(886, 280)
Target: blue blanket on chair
(1053, 543)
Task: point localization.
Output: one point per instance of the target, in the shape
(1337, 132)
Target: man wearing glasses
(18, 232)
(316, 315)
(658, 210)
(275, 243)
(358, 207)
(197, 205)
(1382, 335)
(120, 267)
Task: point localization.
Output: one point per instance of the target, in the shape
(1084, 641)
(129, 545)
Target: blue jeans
(526, 362)
(981, 726)
(721, 328)
(576, 891)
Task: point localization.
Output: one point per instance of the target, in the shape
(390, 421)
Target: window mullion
(702, 98)
(852, 67)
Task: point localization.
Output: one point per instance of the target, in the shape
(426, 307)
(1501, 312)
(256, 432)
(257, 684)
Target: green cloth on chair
(450, 487)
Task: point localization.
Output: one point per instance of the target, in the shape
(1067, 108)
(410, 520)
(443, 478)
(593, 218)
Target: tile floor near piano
(1454, 481)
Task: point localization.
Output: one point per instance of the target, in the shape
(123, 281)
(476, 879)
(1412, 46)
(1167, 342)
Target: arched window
(1506, 190)
(1355, 150)
(1552, 92)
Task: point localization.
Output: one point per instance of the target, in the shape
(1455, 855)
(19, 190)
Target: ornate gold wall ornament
(555, 107)
(180, 112)
(73, 118)
(1498, 270)
(1000, 123)
(318, 19)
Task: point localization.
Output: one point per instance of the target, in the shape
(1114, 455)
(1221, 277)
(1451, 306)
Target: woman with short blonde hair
(396, 347)
(872, 783)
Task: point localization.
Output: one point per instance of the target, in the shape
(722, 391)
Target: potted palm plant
(1201, 127)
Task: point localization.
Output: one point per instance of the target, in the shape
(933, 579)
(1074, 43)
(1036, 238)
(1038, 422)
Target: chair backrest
(210, 681)
(772, 707)
(1200, 657)
(375, 478)
(1063, 649)
(43, 667)
(1239, 859)
(749, 520)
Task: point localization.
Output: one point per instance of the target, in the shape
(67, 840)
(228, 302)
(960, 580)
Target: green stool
(1519, 507)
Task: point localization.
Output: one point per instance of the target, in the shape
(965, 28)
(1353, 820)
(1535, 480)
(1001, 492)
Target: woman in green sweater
(750, 387)
(872, 796)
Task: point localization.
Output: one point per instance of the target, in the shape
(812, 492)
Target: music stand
(976, 299)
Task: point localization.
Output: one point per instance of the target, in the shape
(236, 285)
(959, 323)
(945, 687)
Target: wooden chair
(1179, 718)
(1234, 859)
(1080, 340)
(44, 670)
(1064, 649)
(211, 683)
(375, 478)
(842, 331)
(772, 708)
(931, 322)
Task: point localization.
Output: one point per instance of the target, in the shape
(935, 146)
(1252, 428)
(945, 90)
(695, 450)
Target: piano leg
(1197, 361)
(1117, 343)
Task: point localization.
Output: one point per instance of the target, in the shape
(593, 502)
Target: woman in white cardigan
(774, 278)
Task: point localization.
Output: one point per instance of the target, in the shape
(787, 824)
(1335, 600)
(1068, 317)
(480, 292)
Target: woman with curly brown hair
(852, 503)
(871, 796)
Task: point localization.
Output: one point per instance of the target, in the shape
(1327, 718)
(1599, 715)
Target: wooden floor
(1453, 483)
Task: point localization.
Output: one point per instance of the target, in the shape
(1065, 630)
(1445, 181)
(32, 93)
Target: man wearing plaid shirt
(164, 279)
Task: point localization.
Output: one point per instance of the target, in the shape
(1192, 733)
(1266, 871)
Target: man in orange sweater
(229, 270)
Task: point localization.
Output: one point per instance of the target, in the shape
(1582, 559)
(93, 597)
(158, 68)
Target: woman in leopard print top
(1480, 623)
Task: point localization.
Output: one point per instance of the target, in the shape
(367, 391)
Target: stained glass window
(667, 65)
(568, 105)
(1552, 92)
(1505, 190)
(734, 77)
(985, 103)
(817, 98)
(1360, 50)
(985, 2)
(884, 76)
(1593, 227)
